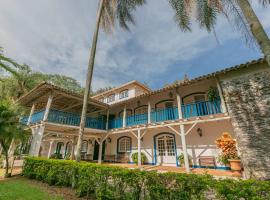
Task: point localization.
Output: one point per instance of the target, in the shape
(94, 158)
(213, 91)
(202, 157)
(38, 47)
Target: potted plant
(181, 160)
(135, 158)
(228, 154)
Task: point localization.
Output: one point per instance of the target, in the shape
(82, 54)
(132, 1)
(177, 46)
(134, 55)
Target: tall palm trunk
(256, 28)
(88, 82)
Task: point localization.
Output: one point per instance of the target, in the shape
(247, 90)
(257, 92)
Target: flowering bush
(227, 145)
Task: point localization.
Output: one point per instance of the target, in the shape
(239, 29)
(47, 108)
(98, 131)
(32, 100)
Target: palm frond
(118, 10)
(182, 9)
(235, 17)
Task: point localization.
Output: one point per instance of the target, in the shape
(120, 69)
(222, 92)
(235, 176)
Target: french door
(166, 154)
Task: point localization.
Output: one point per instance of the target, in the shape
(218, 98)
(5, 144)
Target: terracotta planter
(235, 165)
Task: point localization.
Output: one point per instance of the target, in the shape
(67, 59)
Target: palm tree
(109, 11)
(12, 67)
(239, 12)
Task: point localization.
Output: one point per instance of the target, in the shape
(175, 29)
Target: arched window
(141, 110)
(84, 146)
(68, 149)
(124, 144)
(59, 147)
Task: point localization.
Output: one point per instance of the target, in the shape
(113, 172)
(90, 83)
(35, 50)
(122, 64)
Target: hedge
(109, 182)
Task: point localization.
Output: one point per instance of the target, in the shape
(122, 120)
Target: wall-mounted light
(109, 140)
(199, 131)
(142, 139)
(138, 103)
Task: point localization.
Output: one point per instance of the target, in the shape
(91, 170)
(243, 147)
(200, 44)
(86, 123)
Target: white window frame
(123, 94)
(127, 145)
(111, 98)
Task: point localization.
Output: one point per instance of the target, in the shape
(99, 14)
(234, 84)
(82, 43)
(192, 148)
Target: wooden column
(125, 116)
(222, 101)
(50, 149)
(149, 111)
(182, 131)
(31, 113)
(107, 119)
(48, 107)
(100, 151)
(139, 149)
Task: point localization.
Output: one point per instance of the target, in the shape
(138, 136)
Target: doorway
(96, 150)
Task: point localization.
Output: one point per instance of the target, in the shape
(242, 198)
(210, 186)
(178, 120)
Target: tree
(238, 11)
(109, 11)
(10, 128)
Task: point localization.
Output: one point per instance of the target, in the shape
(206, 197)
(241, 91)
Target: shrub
(109, 182)
(135, 158)
(181, 159)
(56, 156)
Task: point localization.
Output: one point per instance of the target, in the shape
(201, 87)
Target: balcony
(66, 118)
(189, 110)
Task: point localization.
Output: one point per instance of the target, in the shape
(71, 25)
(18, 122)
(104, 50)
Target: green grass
(22, 189)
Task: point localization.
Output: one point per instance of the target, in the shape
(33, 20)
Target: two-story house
(184, 118)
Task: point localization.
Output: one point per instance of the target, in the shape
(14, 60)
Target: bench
(207, 161)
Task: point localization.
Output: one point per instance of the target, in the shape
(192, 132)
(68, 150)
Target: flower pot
(235, 164)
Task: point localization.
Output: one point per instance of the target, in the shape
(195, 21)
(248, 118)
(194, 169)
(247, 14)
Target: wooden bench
(207, 161)
(109, 158)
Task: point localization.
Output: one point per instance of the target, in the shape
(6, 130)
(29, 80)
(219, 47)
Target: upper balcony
(66, 118)
(197, 109)
(189, 110)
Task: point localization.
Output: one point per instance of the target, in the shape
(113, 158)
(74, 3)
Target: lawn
(23, 189)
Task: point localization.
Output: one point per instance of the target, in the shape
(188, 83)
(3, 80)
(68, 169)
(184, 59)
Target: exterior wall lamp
(109, 140)
(199, 131)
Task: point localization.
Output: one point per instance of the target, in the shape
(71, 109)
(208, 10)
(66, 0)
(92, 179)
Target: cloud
(55, 36)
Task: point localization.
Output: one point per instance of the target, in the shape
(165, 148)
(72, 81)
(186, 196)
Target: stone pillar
(48, 106)
(50, 149)
(222, 101)
(107, 120)
(182, 131)
(248, 102)
(37, 140)
(100, 152)
(30, 115)
(149, 111)
(139, 149)
(125, 116)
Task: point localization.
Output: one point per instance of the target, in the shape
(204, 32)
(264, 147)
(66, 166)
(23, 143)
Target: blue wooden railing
(189, 110)
(201, 108)
(164, 114)
(137, 119)
(67, 118)
(116, 123)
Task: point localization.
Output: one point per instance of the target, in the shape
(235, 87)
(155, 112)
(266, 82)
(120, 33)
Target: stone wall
(248, 101)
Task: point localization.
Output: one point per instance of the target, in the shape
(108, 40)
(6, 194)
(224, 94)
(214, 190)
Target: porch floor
(213, 172)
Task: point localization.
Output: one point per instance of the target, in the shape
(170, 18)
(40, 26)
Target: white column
(37, 140)
(100, 152)
(182, 131)
(124, 116)
(31, 113)
(73, 149)
(149, 111)
(139, 149)
(50, 149)
(48, 106)
(222, 101)
(107, 120)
